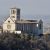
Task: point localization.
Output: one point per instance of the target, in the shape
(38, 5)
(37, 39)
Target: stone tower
(15, 14)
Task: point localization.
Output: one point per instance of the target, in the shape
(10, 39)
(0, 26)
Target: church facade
(14, 23)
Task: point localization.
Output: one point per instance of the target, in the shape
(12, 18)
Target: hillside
(22, 42)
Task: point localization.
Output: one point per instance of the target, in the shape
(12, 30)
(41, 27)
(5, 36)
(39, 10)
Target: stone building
(14, 23)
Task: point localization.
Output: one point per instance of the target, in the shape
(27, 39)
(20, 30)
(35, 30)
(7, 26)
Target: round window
(9, 26)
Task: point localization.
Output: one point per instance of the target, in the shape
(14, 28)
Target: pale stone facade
(8, 25)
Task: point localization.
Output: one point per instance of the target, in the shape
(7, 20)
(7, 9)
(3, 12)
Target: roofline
(28, 22)
(14, 8)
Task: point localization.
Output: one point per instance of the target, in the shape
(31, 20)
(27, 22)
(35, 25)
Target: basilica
(14, 23)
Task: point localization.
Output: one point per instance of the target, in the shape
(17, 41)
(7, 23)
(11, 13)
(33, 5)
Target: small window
(8, 21)
(13, 16)
(37, 25)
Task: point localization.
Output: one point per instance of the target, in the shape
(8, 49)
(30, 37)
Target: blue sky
(29, 9)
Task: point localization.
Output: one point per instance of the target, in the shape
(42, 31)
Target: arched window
(13, 16)
(12, 11)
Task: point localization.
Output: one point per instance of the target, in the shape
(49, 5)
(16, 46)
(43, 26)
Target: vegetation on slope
(13, 41)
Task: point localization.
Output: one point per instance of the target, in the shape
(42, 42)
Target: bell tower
(15, 14)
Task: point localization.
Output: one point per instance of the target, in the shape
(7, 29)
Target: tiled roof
(32, 20)
(26, 21)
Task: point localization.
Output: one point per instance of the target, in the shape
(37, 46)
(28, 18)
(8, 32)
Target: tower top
(14, 8)
(15, 13)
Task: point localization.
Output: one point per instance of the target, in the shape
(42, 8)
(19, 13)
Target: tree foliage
(11, 41)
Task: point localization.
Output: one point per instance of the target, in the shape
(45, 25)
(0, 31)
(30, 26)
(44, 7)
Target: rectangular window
(18, 11)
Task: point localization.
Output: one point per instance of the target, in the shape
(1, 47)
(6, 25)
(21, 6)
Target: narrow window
(18, 12)
(40, 26)
(12, 11)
